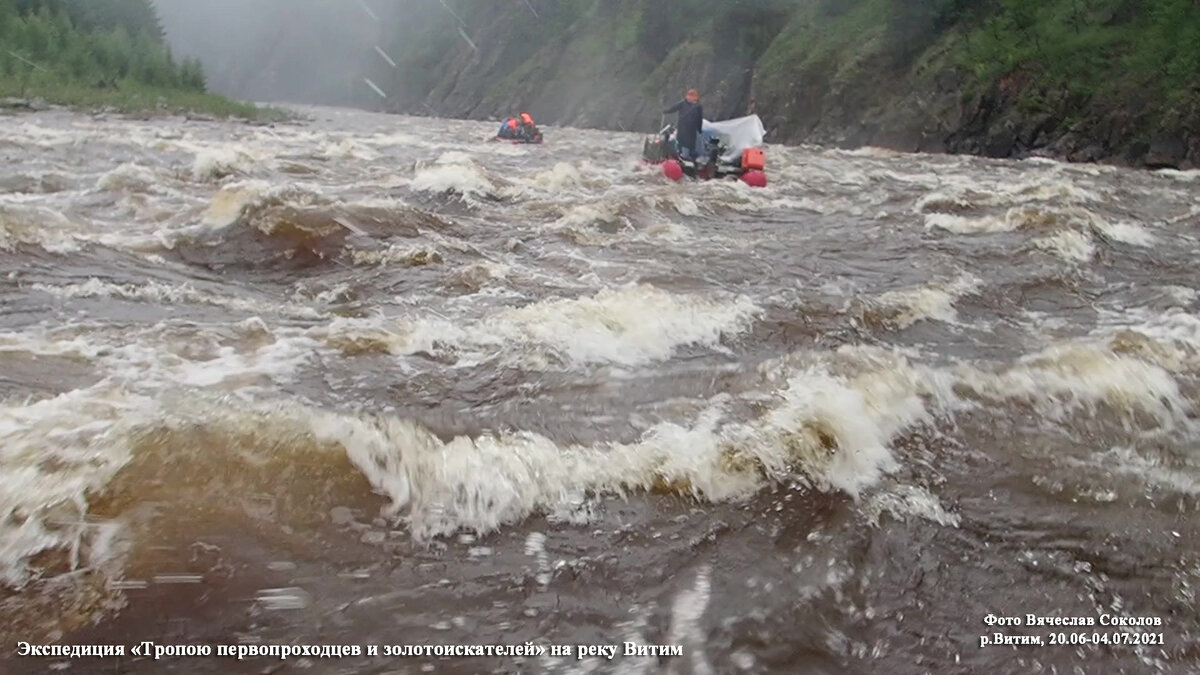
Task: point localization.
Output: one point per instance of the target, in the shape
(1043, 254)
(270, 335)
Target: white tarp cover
(737, 134)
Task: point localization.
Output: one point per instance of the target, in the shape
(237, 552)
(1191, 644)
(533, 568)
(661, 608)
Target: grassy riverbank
(103, 54)
(132, 98)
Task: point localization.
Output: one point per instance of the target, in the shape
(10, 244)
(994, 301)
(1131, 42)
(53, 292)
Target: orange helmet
(512, 123)
(526, 118)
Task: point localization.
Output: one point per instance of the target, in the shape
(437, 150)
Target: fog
(442, 57)
(453, 58)
(305, 51)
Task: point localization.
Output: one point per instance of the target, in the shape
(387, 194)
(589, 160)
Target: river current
(372, 380)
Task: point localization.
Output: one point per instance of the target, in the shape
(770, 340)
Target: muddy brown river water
(370, 380)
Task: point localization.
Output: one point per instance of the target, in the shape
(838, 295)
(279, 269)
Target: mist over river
(371, 380)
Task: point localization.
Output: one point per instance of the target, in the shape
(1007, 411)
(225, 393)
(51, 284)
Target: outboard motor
(650, 150)
(659, 149)
(713, 154)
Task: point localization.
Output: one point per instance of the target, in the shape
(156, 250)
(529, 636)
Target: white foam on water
(291, 598)
(347, 148)
(669, 231)
(625, 209)
(1169, 339)
(1182, 294)
(966, 225)
(630, 325)
(562, 177)
(161, 292)
(948, 202)
(1051, 187)
(848, 174)
(455, 158)
(1041, 161)
(406, 255)
(682, 203)
(216, 163)
(261, 361)
(905, 501)
(583, 217)
(1147, 466)
(247, 356)
(1170, 326)
(228, 204)
(302, 294)
(1189, 176)
(1079, 376)
(477, 275)
(957, 199)
(390, 139)
(1069, 232)
(826, 419)
(1192, 212)
(34, 131)
(736, 196)
(1031, 218)
(464, 179)
(1053, 190)
(432, 335)
(1134, 234)
(38, 226)
(686, 612)
(1070, 245)
(933, 301)
(830, 430)
(53, 453)
(130, 177)
(869, 151)
(865, 399)
(238, 200)
(809, 204)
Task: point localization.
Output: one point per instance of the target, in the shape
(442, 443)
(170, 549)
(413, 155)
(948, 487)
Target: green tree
(93, 42)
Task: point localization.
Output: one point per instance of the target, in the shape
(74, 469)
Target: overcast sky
(292, 50)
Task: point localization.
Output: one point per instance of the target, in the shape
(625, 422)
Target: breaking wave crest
(823, 421)
(631, 325)
(289, 463)
(251, 224)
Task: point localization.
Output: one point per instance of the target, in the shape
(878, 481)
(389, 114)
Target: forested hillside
(104, 52)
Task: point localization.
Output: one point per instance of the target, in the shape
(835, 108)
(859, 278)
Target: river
(370, 380)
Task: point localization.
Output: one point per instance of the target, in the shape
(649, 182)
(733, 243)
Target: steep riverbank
(1086, 80)
(101, 54)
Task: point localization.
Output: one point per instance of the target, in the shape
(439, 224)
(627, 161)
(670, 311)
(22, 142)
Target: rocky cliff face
(917, 75)
(612, 64)
(1088, 80)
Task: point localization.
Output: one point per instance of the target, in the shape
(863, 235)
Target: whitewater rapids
(369, 379)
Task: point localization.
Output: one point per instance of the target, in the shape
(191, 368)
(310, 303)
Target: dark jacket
(691, 118)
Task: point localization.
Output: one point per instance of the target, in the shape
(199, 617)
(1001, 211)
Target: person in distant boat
(511, 129)
(687, 128)
(529, 130)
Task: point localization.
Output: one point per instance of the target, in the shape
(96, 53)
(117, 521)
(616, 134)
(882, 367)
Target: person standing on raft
(687, 128)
